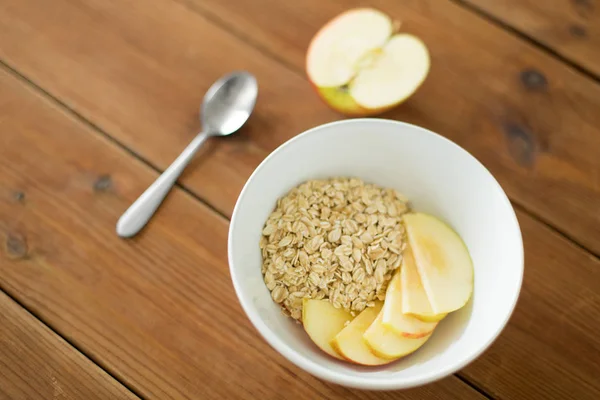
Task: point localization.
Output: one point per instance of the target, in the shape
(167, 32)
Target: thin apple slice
(338, 47)
(395, 320)
(350, 342)
(386, 344)
(393, 75)
(442, 260)
(322, 321)
(414, 297)
(430, 318)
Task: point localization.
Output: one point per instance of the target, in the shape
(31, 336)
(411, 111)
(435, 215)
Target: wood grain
(35, 363)
(550, 348)
(158, 311)
(570, 28)
(530, 119)
(139, 73)
(146, 308)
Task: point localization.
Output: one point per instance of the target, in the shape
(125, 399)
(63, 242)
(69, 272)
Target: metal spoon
(226, 107)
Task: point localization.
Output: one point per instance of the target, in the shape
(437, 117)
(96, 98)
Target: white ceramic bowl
(439, 178)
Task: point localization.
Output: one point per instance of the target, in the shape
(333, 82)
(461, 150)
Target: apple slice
(430, 318)
(386, 344)
(322, 321)
(414, 298)
(395, 320)
(350, 342)
(442, 260)
(360, 66)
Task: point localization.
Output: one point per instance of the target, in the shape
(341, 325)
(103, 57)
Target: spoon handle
(140, 212)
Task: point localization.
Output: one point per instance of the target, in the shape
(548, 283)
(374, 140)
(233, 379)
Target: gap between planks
(526, 38)
(92, 359)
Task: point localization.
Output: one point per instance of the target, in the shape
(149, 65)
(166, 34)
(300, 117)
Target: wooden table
(97, 97)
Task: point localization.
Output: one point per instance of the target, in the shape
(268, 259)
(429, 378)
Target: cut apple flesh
(322, 322)
(337, 48)
(393, 75)
(430, 318)
(442, 260)
(385, 343)
(360, 67)
(395, 320)
(351, 345)
(414, 297)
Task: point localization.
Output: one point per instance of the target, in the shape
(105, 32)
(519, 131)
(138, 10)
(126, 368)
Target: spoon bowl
(228, 103)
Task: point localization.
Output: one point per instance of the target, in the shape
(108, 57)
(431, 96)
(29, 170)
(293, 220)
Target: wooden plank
(130, 64)
(513, 368)
(35, 363)
(530, 119)
(525, 115)
(146, 308)
(158, 311)
(550, 349)
(570, 28)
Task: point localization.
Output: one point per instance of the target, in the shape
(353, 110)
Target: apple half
(361, 66)
(442, 260)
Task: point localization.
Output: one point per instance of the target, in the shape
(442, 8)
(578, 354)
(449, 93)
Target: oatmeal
(336, 239)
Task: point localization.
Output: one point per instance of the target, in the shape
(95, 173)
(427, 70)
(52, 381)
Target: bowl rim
(365, 382)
